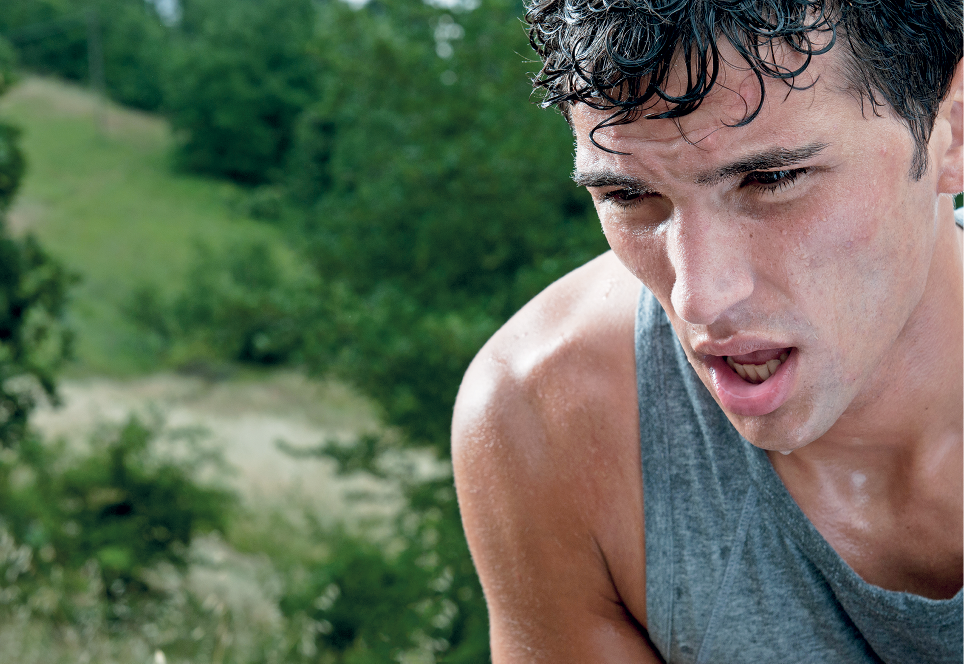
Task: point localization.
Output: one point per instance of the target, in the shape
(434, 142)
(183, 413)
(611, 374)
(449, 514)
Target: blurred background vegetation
(321, 205)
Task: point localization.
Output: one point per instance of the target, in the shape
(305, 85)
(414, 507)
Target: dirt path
(245, 417)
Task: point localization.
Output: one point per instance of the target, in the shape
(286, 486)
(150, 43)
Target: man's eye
(773, 181)
(625, 197)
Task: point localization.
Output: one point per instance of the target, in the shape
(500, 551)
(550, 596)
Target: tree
(434, 201)
(52, 37)
(241, 73)
(437, 198)
(33, 339)
(431, 199)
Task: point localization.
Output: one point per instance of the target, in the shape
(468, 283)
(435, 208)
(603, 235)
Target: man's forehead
(722, 109)
(700, 141)
(786, 107)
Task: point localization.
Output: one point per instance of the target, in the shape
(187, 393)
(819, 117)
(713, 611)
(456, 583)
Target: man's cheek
(645, 256)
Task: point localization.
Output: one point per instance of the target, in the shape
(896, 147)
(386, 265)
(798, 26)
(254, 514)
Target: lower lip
(742, 398)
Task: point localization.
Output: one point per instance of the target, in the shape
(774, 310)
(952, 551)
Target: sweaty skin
(800, 234)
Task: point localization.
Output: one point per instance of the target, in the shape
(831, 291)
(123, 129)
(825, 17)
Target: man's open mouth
(758, 366)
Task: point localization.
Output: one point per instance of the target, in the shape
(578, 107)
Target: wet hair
(619, 54)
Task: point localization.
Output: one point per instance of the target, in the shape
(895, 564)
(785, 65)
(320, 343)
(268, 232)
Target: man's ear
(951, 163)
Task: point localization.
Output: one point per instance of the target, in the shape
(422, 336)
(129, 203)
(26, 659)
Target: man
(737, 437)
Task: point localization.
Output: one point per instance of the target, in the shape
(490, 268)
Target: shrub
(241, 72)
(136, 47)
(34, 341)
(369, 602)
(436, 200)
(244, 303)
(50, 35)
(431, 201)
(12, 162)
(123, 504)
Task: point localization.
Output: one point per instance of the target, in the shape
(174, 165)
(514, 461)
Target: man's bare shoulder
(546, 457)
(563, 351)
(550, 400)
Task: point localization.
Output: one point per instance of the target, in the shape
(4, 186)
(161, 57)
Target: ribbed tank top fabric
(735, 572)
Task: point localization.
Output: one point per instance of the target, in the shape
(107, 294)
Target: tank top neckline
(796, 524)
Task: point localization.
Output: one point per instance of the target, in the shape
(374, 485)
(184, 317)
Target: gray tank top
(735, 572)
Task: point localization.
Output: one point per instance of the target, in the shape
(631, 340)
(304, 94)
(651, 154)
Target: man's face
(797, 243)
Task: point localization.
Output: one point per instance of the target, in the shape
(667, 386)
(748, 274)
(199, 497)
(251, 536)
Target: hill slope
(106, 202)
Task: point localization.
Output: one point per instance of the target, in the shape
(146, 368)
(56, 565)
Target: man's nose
(711, 258)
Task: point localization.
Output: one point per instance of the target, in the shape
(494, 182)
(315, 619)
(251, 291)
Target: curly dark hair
(618, 54)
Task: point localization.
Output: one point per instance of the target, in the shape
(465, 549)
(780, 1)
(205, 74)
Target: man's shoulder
(546, 457)
(566, 351)
(549, 404)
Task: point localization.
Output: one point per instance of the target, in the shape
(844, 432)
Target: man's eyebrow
(761, 161)
(610, 179)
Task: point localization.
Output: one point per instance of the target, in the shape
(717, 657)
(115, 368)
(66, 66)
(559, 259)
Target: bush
(136, 48)
(12, 162)
(8, 63)
(241, 73)
(243, 304)
(123, 504)
(371, 602)
(50, 35)
(34, 342)
(431, 201)
(436, 200)
(323, 595)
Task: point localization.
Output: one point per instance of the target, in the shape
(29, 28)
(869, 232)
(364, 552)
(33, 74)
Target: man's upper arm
(531, 502)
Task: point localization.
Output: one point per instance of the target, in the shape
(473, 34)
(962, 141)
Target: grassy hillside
(105, 200)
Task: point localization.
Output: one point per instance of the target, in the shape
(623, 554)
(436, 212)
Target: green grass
(106, 201)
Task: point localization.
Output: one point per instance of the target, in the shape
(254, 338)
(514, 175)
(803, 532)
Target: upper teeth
(756, 373)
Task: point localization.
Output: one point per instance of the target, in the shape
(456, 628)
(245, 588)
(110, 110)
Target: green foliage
(8, 62)
(136, 47)
(120, 505)
(355, 601)
(12, 162)
(430, 200)
(243, 304)
(240, 74)
(123, 504)
(113, 211)
(292, 590)
(51, 36)
(370, 603)
(437, 198)
(34, 342)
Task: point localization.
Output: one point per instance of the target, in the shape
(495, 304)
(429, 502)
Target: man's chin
(785, 430)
